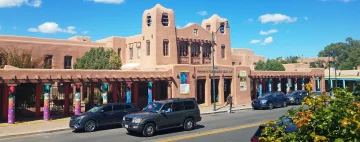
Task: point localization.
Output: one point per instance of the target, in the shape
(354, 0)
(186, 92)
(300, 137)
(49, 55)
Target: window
(208, 27)
(138, 52)
(119, 52)
(107, 108)
(48, 61)
(127, 106)
(148, 47)
(148, 19)
(167, 107)
(233, 63)
(131, 53)
(189, 105)
(67, 62)
(183, 48)
(195, 49)
(118, 107)
(222, 51)
(206, 50)
(196, 32)
(222, 27)
(165, 19)
(176, 106)
(166, 47)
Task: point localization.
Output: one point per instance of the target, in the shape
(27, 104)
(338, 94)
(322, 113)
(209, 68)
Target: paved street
(236, 127)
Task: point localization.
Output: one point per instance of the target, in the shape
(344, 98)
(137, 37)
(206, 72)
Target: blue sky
(290, 27)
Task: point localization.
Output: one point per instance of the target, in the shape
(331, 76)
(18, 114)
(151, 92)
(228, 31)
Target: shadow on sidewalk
(169, 131)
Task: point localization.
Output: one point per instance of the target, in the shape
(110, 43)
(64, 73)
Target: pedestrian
(229, 102)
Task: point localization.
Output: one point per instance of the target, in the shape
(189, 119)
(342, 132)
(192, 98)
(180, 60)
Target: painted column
(115, 92)
(279, 85)
(331, 83)
(303, 84)
(150, 93)
(270, 80)
(136, 93)
(344, 84)
(46, 114)
(295, 84)
(260, 88)
(66, 98)
(155, 88)
(11, 107)
(317, 84)
(104, 89)
(38, 99)
(5, 102)
(78, 99)
(288, 85)
(128, 92)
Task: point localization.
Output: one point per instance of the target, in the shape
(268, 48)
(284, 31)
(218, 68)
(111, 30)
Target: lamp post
(213, 59)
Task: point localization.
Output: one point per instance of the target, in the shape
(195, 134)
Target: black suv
(161, 115)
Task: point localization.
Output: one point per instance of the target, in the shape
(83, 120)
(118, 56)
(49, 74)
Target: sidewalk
(40, 126)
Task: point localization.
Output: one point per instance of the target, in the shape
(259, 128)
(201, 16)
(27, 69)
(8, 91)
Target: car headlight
(123, 118)
(263, 101)
(291, 98)
(136, 120)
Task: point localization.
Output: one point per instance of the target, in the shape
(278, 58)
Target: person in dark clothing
(229, 102)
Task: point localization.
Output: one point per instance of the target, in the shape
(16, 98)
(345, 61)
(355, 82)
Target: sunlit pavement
(235, 127)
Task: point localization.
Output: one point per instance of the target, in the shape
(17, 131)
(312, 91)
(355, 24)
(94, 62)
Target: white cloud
(14, 28)
(254, 41)
(276, 18)
(108, 1)
(251, 20)
(52, 28)
(268, 32)
(85, 32)
(18, 3)
(306, 18)
(267, 40)
(202, 13)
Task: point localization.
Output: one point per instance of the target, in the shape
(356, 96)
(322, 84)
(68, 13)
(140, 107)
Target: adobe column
(254, 88)
(5, 102)
(169, 90)
(208, 91)
(260, 87)
(66, 98)
(136, 93)
(128, 92)
(189, 52)
(288, 85)
(46, 113)
(317, 84)
(78, 99)
(104, 89)
(115, 91)
(38, 99)
(150, 93)
(221, 96)
(313, 83)
(279, 85)
(11, 106)
(270, 81)
(295, 84)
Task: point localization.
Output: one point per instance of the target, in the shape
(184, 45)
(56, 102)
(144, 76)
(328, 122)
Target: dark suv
(161, 115)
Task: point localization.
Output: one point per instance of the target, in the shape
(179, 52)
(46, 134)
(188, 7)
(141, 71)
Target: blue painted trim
(354, 79)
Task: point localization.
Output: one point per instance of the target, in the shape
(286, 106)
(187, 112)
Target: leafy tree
(99, 59)
(269, 65)
(317, 64)
(22, 59)
(334, 119)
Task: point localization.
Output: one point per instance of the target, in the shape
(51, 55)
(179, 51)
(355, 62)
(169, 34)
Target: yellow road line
(34, 122)
(210, 132)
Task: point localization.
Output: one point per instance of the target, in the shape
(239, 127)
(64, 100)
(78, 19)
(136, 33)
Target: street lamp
(213, 60)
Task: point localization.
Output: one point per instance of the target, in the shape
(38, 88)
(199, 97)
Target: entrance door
(216, 90)
(143, 94)
(227, 87)
(200, 91)
(162, 91)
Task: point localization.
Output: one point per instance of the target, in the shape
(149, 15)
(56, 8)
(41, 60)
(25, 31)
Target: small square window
(196, 32)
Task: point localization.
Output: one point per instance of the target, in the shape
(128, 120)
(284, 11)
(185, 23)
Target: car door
(177, 117)
(119, 113)
(106, 114)
(165, 116)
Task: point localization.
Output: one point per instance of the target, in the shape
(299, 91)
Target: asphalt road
(236, 127)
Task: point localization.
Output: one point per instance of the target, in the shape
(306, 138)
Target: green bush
(324, 119)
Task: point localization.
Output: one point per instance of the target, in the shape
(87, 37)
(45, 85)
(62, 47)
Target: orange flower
(345, 122)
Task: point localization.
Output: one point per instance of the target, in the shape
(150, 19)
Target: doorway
(162, 91)
(227, 87)
(216, 90)
(200, 91)
(143, 94)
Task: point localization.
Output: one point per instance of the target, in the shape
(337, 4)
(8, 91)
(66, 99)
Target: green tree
(318, 64)
(269, 65)
(99, 59)
(20, 59)
(260, 65)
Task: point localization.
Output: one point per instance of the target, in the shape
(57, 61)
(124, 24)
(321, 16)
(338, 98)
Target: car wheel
(297, 101)
(188, 124)
(284, 104)
(149, 130)
(90, 126)
(271, 106)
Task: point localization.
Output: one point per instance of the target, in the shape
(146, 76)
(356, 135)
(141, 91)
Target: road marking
(210, 132)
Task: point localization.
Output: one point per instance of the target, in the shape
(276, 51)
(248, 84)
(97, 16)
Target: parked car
(162, 115)
(103, 115)
(296, 97)
(318, 93)
(290, 127)
(270, 100)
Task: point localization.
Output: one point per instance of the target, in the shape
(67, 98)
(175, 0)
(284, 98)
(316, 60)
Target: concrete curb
(66, 129)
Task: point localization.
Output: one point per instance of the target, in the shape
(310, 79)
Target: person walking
(229, 102)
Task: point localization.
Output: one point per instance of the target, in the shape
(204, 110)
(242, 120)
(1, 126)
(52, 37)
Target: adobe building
(162, 62)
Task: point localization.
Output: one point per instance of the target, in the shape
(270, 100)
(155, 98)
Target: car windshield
(316, 93)
(266, 95)
(95, 109)
(153, 107)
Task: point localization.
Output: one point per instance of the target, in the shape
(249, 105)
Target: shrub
(324, 119)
